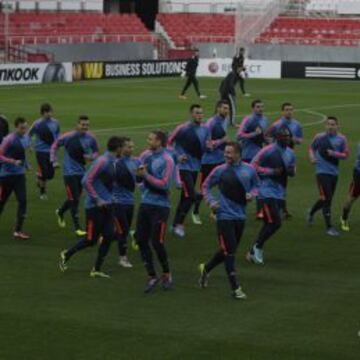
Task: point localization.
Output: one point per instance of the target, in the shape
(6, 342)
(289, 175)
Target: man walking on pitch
(80, 147)
(213, 157)
(98, 184)
(157, 171)
(227, 92)
(238, 67)
(190, 72)
(236, 182)
(251, 136)
(190, 139)
(325, 152)
(12, 172)
(354, 192)
(46, 131)
(296, 131)
(274, 163)
(124, 187)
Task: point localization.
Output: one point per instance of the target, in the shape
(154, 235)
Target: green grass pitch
(303, 304)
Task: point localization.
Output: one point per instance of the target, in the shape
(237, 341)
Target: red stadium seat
(312, 31)
(74, 27)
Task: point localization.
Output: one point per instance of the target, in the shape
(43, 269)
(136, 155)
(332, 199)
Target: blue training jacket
(157, 182)
(293, 125)
(251, 143)
(357, 163)
(274, 156)
(125, 180)
(98, 181)
(327, 149)
(217, 126)
(233, 182)
(46, 132)
(78, 148)
(192, 140)
(14, 148)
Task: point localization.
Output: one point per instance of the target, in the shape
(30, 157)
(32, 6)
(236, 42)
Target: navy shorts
(355, 184)
(100, 222)
(151, 223)
(229, 234)
(45, 167)
(73, 187)
(123, 218)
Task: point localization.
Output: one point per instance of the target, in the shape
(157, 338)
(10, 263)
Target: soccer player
(325, 152)
(4, 127)
(190, 139)
(46, 131)
(98, 184)
(124, 187)
(12, 172)
(274, 163)
(190, 71)
(297, 137)
(213, 157)
(354, 192)
(251, 136)
(287, 119)
(228, 93)
(236, 182)
(80, 147)
(157, 171)
(238, 67)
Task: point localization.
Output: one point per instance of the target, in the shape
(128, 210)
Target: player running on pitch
(236, 182)
(325, 152)
(251, 136)
(98, 184)
(46, 131)
(297, 137)
(12, 172)
(157, 171)
(80, 147)
(124, 188)
(354, 192)
(213, 157)
(190, 73)
(190, 140)
(274, 163)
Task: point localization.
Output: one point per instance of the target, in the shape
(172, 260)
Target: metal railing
(15, 40)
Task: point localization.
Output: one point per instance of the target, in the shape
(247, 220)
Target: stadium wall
(98, 51)
(285, 52)
(39, 73)
(336, 54)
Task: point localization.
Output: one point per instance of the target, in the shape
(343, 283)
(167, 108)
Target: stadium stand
(70, 28)
(312, 31)
(185, 29)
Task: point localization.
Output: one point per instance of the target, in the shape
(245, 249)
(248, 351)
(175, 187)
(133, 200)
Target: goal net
(253, 16)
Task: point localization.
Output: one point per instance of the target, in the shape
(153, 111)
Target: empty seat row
(32, 27)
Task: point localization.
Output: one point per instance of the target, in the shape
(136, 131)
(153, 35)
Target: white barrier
(35, 73)
(256, 69)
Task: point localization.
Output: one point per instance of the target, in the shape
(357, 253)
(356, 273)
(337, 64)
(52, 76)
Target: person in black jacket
(238, 67)
(4, 127)
(190, 72)
(227, 92)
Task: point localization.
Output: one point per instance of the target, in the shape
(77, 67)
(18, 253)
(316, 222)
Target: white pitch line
(306, 110)
(318, 122)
